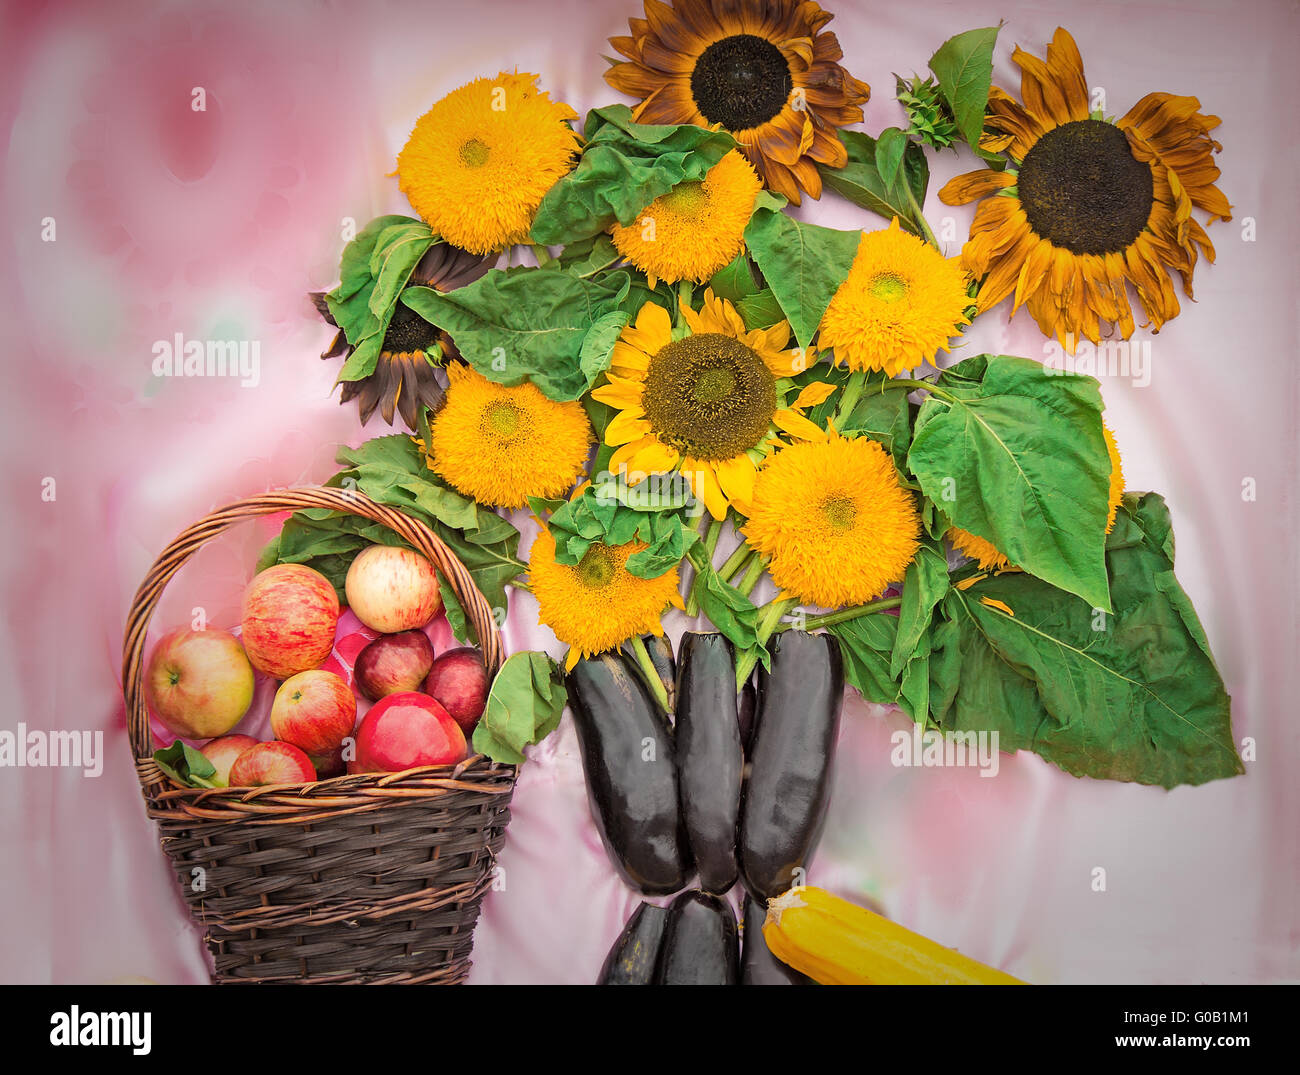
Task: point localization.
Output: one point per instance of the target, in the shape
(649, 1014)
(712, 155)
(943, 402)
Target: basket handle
(189, 541)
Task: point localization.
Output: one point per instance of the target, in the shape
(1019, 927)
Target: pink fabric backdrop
(216, 226)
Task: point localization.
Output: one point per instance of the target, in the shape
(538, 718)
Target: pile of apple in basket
(200, 684)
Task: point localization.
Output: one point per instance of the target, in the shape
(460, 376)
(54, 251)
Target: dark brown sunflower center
(741, 81)
(709, 396)
(408, 332)
(1083, 189)
(597, 566)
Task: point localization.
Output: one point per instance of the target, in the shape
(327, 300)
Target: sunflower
(598, 603)
(1088, 206)
(710, 403)
(898, 306)
(834, 520)
(696, 228)
(761, 69)
(501, 445)
(986, 554)
(403, 380)
(479, 161)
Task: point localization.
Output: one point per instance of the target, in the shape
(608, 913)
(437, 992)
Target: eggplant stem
(772, 613)
(651, 674)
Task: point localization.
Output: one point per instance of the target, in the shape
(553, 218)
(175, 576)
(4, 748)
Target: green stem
(771, 616)
(735, 563)
(929, 386)
(849, 398)
(920, 217)
(542, 254)
(685, 291)
(753, 573)
(651, 674)
(710, 544)
(845, 614)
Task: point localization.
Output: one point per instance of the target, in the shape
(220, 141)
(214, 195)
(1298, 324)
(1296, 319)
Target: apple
(405, 730)
(459, 680)
(199, 683)
(392, 664)
(314, 710)
(290, 613)
(271, 763)
(224, 752)
(392, 589)
(328, 765)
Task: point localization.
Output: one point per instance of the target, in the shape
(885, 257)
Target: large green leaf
(601, 516)
(804, 265)
(861, 181)
(924, 586)
(964, 68)
(1015, 454)
(624, 167)
(866, 643)
(1131, 696)
(524, 706)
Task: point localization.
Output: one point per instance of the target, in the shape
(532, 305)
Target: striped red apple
(289, 616)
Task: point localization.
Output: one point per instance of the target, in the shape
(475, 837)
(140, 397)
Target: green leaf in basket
(187, 766)
(524, 706)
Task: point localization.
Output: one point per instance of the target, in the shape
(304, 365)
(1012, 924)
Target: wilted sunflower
(403, 380)
(1088, 206)
(501, 445)
(834, 520)
(899, 305)
(479, 161)
(761, 69)
(695, 229)
(986, 554)
(597, 603)
(710, 404)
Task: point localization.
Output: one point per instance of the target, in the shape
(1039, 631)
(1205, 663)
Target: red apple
(328, 765)
(314, 710)
(290, 612)
(406, 730)
(392, 664)
(271, 763)
(459, 680)
(224, 752)
(392, 589)
(199, 683)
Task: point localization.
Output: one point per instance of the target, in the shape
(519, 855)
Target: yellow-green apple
(459, 680)
(392, 664)
(392, 589)
(290, 613)
(314, 710)
(199, 683)
(271, 763)
(406, 730)
(223, 753)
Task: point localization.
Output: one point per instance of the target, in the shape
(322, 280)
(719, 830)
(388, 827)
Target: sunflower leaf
(1131, 696)
(524, 706)
(890, 144)
(729, 610)
(1014, 453)
(861, 182)
(599, 514)
(804, 265)
(760, 310)
(598, 344)
(735, 281)
(866, 643)
(964, 67)
(924, 586)
(624, 167)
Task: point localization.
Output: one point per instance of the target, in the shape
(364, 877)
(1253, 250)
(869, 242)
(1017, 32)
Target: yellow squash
(835, 942)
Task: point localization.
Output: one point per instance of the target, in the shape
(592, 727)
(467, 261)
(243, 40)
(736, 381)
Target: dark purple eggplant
(700, 945)
(758, 966)
(710, 759)
(746, 702)
(628, 758)
(635, 954)
(788, 790)
(660, 650)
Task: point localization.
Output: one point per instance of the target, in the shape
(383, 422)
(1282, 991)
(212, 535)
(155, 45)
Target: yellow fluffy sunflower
(898, 307)
(834, 521)
(501, 445)
(598, 603)
(986, 554)
(764, 70)
(695, 229)
(710, 404)
(1088, 206)
(479, 161)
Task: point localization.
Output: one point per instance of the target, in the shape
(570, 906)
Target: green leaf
(924, 586)
(601, 514)
(524, 706)
(729, 610)
(624, 167)
(186, 765)
(890, 144)
(866, 643)
(598, 344)
(964, 68)
(1015, 454)
(861, 183)
(735, 281)
(1135, 696)
(586, 257)
(804, 265)
(760, 310)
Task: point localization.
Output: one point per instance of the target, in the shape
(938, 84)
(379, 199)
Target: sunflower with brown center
(711, 404)
(763, 70)
(1088, 206)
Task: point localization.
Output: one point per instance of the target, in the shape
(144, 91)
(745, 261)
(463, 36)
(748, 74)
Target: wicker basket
(359, 879)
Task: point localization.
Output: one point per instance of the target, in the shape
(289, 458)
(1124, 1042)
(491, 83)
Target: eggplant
(635, 954)
(788, 790)
(631, 771)
(745, 705)
(710, 759)
(660, 650)
(758, 966)
(700, 945)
